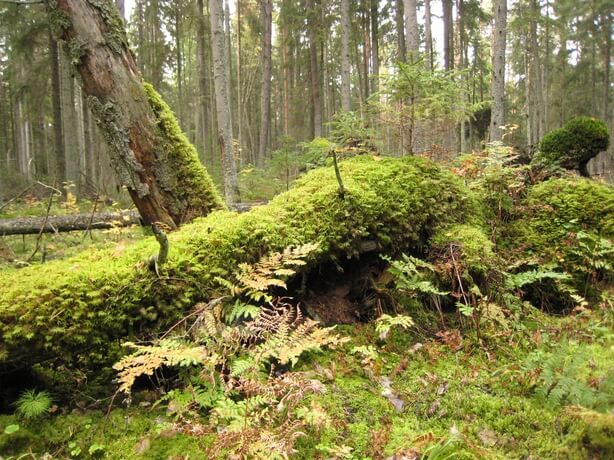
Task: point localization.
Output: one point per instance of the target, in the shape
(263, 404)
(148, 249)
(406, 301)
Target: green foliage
(573, 145)
(562, 378)
(385, 323)
(348, 131)
(494, 175)
(32, 404)
(568, 222)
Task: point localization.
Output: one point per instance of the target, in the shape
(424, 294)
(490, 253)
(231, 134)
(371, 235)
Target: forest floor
(475, 381)
(427, 392)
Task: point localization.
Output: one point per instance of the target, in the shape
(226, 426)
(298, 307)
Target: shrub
(573, 145)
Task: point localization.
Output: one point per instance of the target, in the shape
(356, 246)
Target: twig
(22, 193)
(338, 174)
(89, 224)
(40, 233)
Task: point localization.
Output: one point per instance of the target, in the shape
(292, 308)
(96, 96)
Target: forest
(306, 229)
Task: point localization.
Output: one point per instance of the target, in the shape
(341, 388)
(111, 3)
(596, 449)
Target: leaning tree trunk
(151, 156)
(497, 120)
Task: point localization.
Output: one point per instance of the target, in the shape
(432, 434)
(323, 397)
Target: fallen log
(74, 313)
(76, 222)
(68, 223)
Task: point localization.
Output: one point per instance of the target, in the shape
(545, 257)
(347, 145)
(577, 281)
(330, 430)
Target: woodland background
(558, 65)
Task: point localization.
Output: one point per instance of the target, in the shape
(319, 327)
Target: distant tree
(222, 99)
(498, 72)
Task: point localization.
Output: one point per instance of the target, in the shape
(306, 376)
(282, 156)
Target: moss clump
(573, 145)
(558, 209)
(77, 310)
(470, 243)
(593, 429)
(178, 167)
(568, 222)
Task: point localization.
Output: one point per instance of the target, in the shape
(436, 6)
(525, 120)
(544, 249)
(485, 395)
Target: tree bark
(316, 98)
(412, 33)
(346, 101)
(266, 11)
(374, 46)
(497, 120)
(428, 35)
(221, 77)
(448, 35)
(152, 158)
(56, 102)
(399, 26)
(68, 223)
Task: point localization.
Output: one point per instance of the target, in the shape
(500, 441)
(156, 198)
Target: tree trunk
(374, 46)
(151, 156)
(607, 62)
(316, 99)
(221, 77)
(121, 8)
(266, 11)
(346, 101)
(497, 120)
(399, 21)
(201, 53)
(448, 35)
(428, 35)
(68, 223)
(56, 102)
(84, 306)
(412, 33)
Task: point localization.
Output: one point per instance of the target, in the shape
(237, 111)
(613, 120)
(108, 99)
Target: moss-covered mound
(76, 311)
(573, 145)
(568, 222)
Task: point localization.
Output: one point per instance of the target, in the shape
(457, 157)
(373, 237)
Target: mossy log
(75, 312)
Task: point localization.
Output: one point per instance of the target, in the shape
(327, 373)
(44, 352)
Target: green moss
(125, 434)
(58, 20)
(178, 167)
(115, 32)
(474, 247)
(565, 222)
(76, 311)
(573, 145)
(593, 431)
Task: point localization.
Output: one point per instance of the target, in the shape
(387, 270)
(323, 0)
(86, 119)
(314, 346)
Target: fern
(147, 358)
(519, 280)
(271, 271)
(560, 378)
(385, 323)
